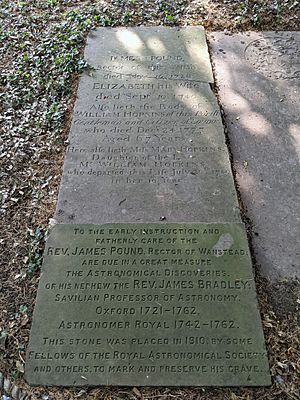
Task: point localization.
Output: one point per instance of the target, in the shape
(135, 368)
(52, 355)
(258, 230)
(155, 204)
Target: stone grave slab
(147, 140)
(147, 304)
(258, 75)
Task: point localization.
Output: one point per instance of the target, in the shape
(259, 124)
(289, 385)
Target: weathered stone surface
(147, 304)
(258, 76)
(147, 139)
(151, 52)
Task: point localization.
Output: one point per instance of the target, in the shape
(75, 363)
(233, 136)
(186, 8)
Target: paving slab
(162, 304)
(258, 78)
(147, 140)
(147, 305)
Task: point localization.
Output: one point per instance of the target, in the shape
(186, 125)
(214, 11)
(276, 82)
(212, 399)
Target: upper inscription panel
(158, 53)
(147, 139)
(147, 304)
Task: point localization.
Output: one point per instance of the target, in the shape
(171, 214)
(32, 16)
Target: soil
(38, 79)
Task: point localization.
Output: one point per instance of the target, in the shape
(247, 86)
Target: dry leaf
(281, 365)
(137, 392)
(20, 366)
(24, 320)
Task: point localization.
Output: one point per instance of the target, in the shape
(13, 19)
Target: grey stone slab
(150, 52)
(258, 77)
(147, 139)
(147, 304)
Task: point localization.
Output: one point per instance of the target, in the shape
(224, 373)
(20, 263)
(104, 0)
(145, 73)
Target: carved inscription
(147, 118)
(147, 304)
(147, 122)
(156, 139)
(277, 57)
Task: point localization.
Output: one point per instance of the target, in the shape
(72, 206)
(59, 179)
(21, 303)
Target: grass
(41, 54)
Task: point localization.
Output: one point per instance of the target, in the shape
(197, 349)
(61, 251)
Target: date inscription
(147, 304)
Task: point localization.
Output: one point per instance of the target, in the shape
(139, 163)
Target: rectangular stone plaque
(147, 139)
(258, 77)
(147, 304)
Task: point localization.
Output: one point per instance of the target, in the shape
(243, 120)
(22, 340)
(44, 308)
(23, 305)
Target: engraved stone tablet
(147, 138)
(259, 80)
(147, 304)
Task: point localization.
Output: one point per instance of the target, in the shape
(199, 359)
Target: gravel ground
(41, 53)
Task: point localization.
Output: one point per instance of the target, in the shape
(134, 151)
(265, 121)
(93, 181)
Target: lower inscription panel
(147, 305)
